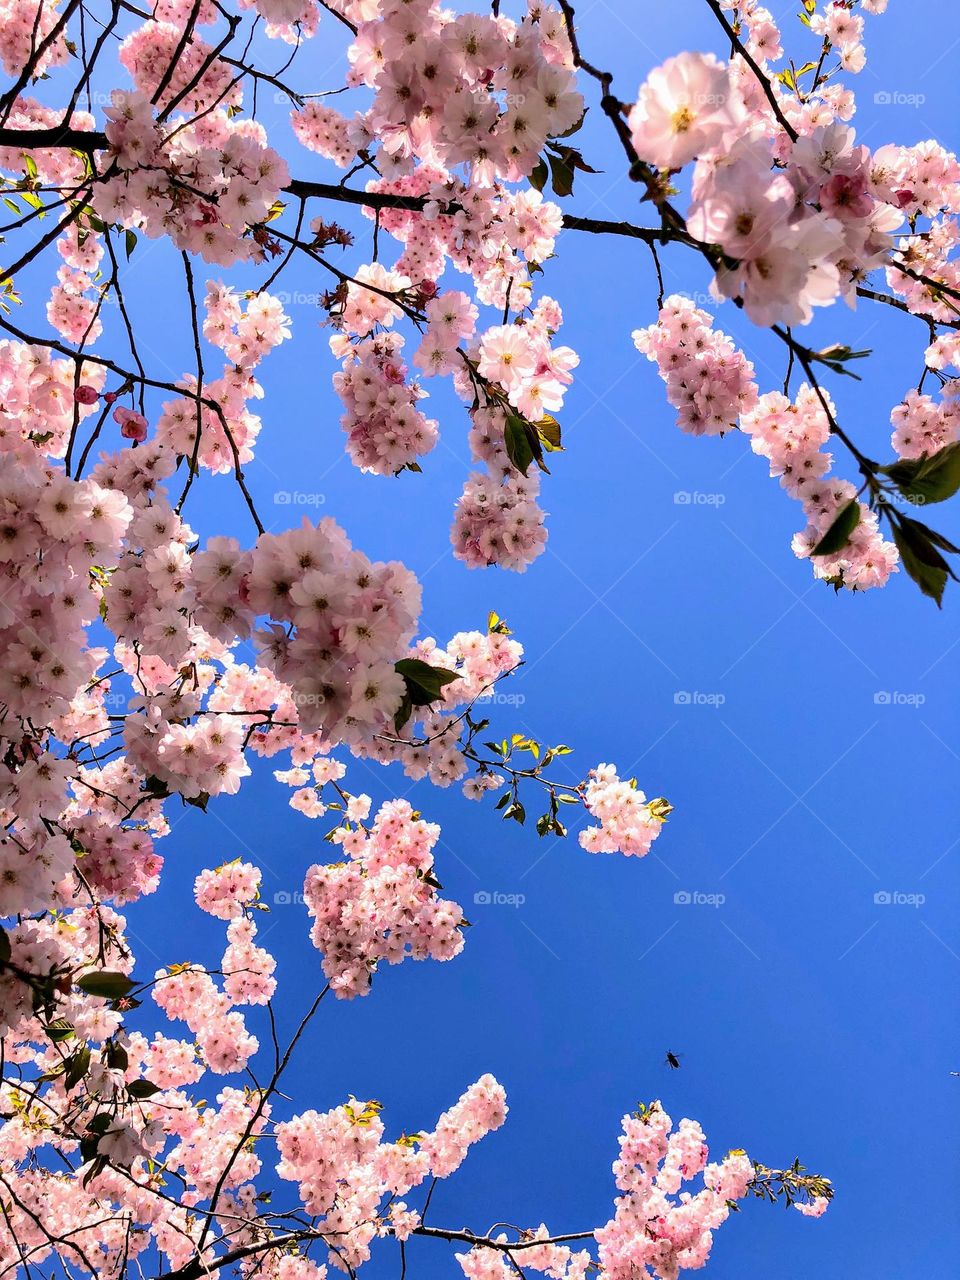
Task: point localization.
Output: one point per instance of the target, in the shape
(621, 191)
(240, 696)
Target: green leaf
(60, 1030)
(424, 683)
(141, 1089)
(402, 713)
(107, 985)
(130, 241)
(936, 538)
(938, 476)
(838, 535)
(920, 558)
(517, 441)
(4, 945)
(77, 1066)
(115, 1056)
(548, 429)
(539, 174)
(561, 175)
(930, 479)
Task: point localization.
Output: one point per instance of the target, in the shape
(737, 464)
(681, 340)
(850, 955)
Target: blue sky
(813, 765)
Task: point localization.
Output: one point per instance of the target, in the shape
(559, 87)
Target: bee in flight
(673, 1060)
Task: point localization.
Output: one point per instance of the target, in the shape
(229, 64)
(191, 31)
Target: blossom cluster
(344, 1169)
(628, 822)
(219, 177)
(659, 1228)
(382, 904)
(711, 384)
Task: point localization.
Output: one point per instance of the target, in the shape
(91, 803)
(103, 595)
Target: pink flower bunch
(629, 823)
(38, 402)
(555, 1260)
(451, 320)
(55, 531)
(928, 255)
(519, 359)
(428, 744)
(189, 995)
(56, 166)
(385, 430)
(245, 336)
(228, 889)
(921, 424)
(801, 235)
(244, 333)
(198, 79)
(344, 1169)
(710, 382)
(118, 863)
(686, 107)
(659, 1228)
(800, 221)
(247, 968)
(25, 27)
(73, 313)
(382, 904)
(488, 91)
(324, 130)
(352, 619)
(498, 523)
(494, 236)
(842, 30)
(203, 186)
(791, 436)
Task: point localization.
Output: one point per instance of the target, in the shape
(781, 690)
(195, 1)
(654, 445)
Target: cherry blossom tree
(146, 662)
